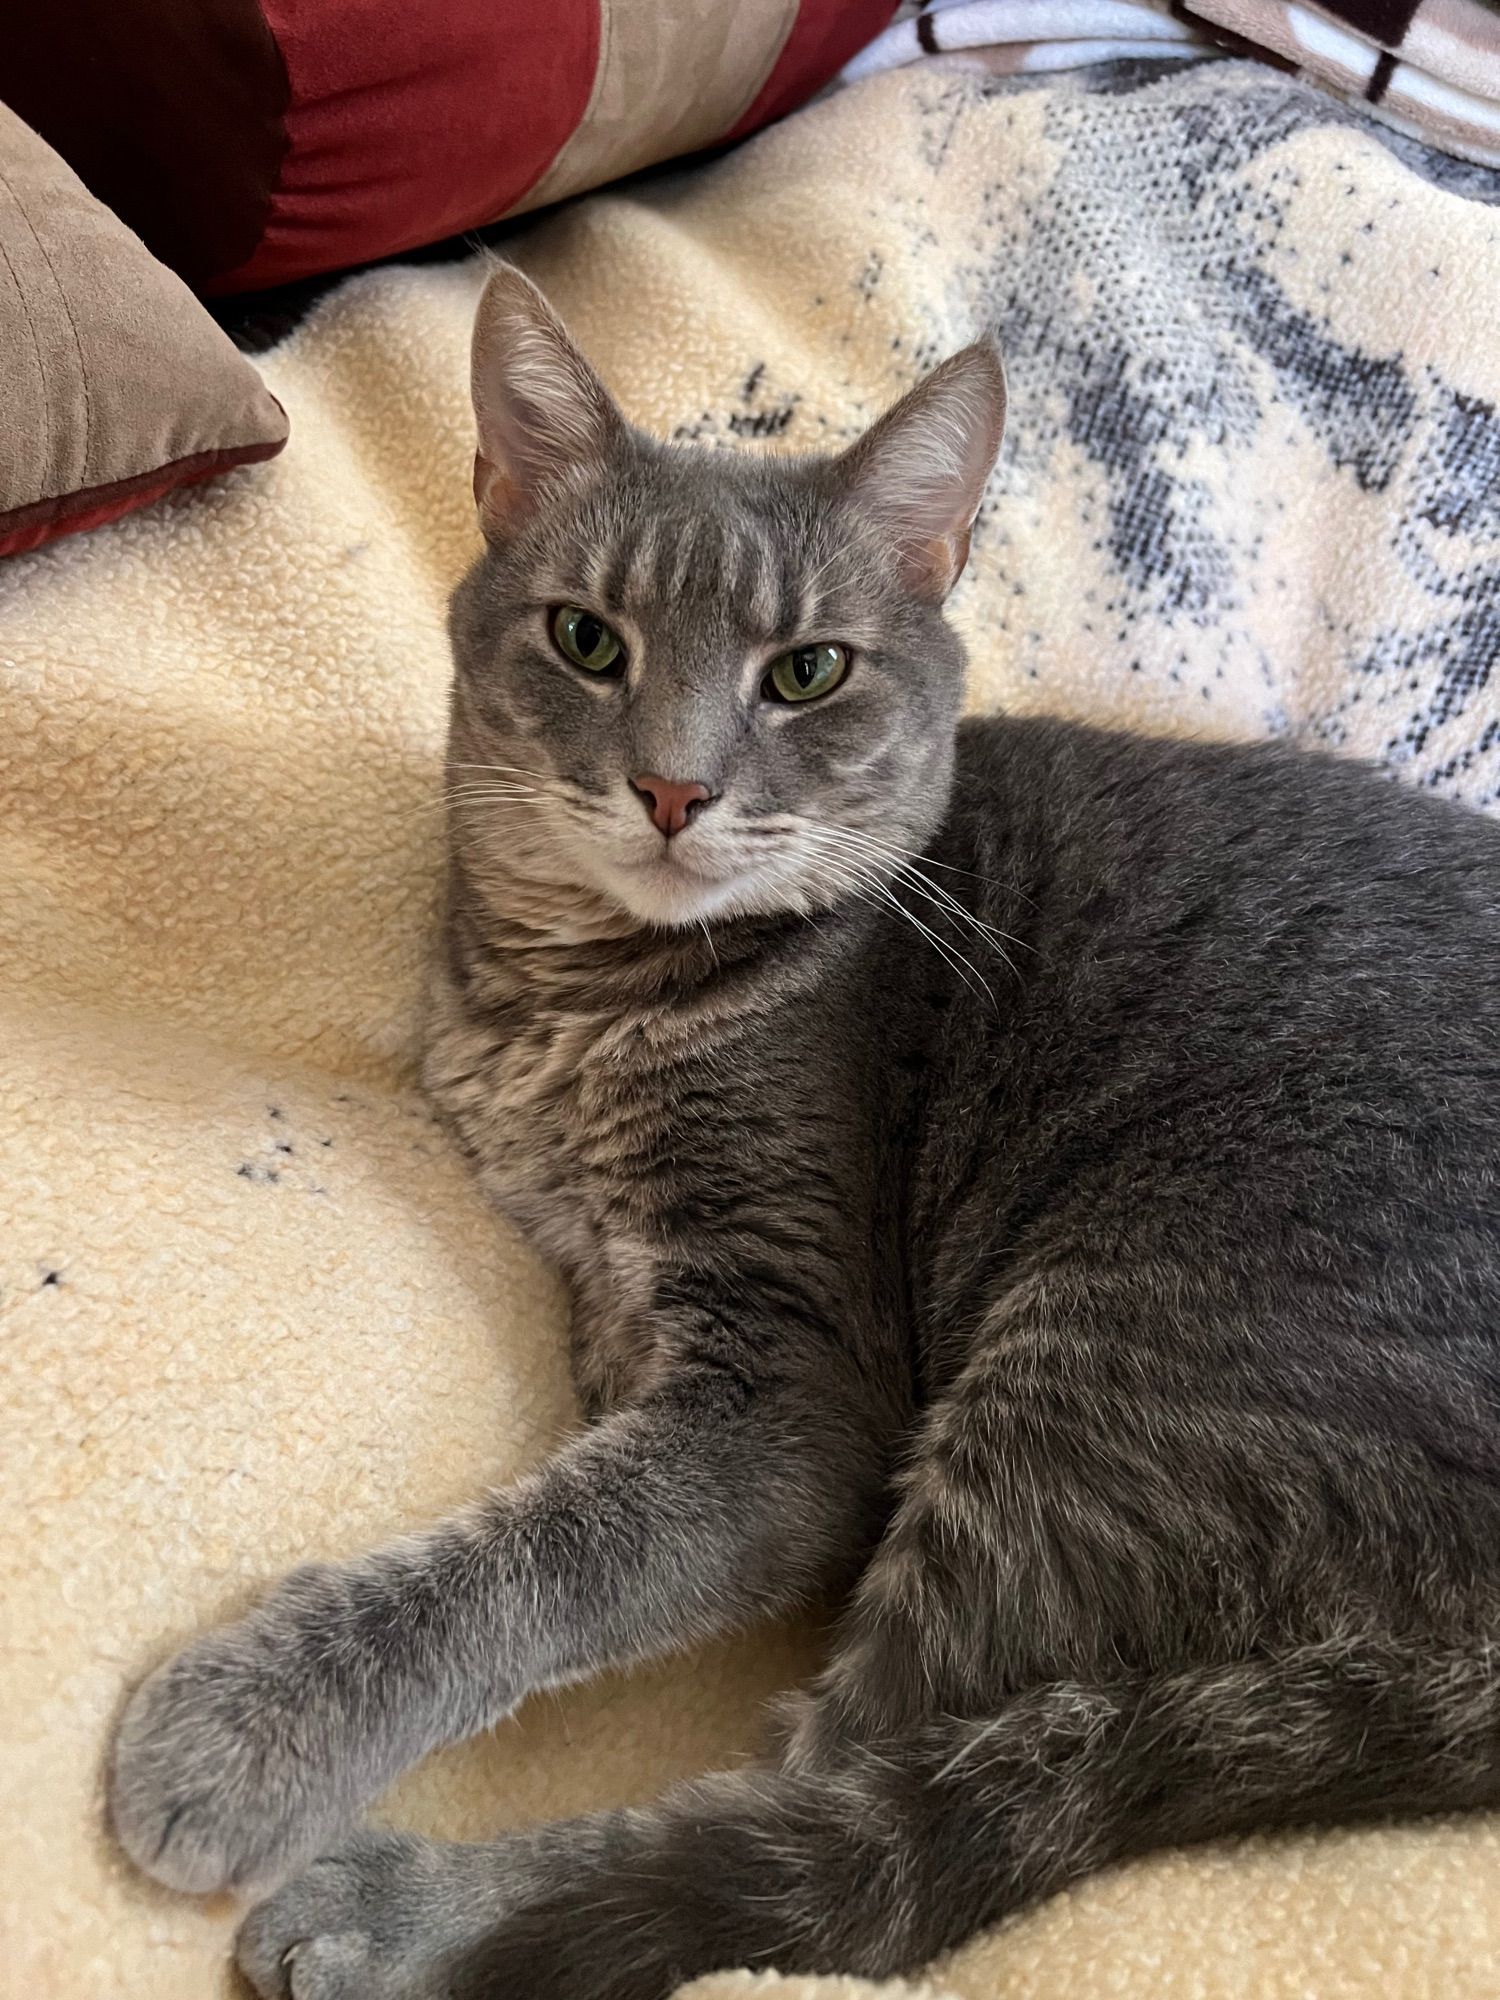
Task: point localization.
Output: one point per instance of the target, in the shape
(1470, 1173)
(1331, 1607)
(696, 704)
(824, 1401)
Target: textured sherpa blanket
(251, 1310)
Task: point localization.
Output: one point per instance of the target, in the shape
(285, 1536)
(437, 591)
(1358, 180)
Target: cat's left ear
(543, 414)
(921, 469)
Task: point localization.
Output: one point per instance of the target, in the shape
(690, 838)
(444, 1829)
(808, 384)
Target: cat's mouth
(675, 871)
(670, 862)
(670, 886)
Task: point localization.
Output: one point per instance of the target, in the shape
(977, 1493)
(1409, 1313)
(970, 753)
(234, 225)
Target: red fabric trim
(410, 122)
(825, 34)
(43, 521)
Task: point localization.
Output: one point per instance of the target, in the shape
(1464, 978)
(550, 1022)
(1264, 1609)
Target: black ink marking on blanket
(760, 423)
(1465, 647)
(1380, 77)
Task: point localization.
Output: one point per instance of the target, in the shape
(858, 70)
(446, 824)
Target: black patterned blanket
(1252, 481)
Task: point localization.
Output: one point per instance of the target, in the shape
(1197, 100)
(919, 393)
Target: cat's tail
(873, 1856)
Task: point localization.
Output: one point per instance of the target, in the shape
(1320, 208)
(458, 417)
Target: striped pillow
(252, 142)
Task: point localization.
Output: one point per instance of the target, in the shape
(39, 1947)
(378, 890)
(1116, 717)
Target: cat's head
(702, 683)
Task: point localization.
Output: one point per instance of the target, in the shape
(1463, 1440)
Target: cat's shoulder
(1084, 775)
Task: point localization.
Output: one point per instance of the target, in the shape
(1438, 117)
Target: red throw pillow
(250, 142)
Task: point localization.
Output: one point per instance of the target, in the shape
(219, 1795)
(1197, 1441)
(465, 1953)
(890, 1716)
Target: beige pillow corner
(115, 384)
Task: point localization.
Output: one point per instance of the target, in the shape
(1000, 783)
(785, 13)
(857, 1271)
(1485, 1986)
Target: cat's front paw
(386, 1917)
(239, 1757)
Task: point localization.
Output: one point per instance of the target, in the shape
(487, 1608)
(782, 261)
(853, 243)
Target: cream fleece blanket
(250, 1309)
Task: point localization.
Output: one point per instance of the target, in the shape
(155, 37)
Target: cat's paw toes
(383, 1918)
(327, 1968)
(219, 1777)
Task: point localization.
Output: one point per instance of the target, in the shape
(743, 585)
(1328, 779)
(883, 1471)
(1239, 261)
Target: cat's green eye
(586, 640)
(806, 673)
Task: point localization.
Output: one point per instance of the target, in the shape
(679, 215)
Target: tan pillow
(115, 385)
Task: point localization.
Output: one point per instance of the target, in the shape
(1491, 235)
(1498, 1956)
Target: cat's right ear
(542, 412)
(921, 469)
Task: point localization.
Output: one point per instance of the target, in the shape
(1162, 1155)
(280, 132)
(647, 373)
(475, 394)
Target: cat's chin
(667, 895)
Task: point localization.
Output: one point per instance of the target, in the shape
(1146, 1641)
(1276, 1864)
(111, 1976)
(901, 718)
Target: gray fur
(1080, 1252)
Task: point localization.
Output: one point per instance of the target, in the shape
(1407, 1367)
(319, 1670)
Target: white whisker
(469, 796)
(810, 582)
(877, 895)
(484, 794)
(863, 871)
(884, 866)
(544, 780)
(911, 858)
(948, 905)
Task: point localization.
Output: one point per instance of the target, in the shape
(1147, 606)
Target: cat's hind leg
(873, 1857)
(1061, 1655)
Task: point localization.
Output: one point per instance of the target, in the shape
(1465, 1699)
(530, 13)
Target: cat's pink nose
(669, 803)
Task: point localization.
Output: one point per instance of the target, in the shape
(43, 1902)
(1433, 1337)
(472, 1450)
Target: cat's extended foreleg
(722, 1495)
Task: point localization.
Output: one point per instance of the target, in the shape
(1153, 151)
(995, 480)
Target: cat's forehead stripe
(764, 581)
(594, 558)
(778, 595)
(792, 608)
(756, 580)
(639, 565)
(617, 562)
(736, 567)
(691, 555)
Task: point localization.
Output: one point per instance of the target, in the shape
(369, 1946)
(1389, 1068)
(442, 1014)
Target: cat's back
(1251, 1035)
(1216, 816)
(1283, 886)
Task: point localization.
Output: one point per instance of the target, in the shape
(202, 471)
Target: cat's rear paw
(386, 1917)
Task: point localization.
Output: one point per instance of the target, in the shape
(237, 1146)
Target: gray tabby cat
(1036, 1184)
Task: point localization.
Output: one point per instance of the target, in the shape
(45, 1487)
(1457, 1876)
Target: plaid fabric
(1430, 68)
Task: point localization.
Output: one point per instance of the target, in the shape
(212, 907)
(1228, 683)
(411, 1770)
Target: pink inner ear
(931, 565)
(921, 469)
(498, 497)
